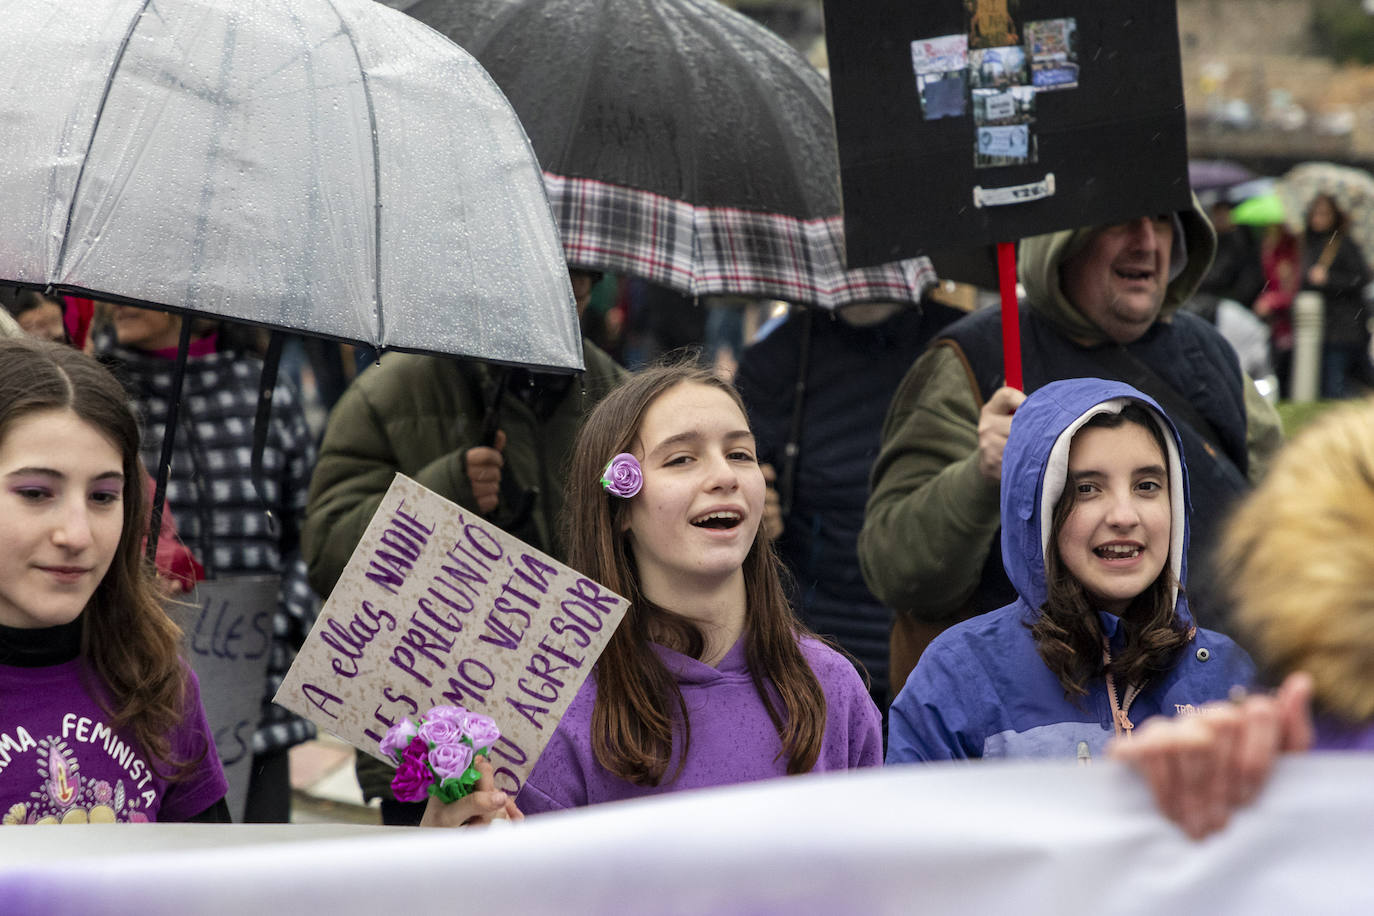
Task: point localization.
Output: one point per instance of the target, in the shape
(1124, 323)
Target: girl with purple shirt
(101, 721)
(1297, 559)
(710, 679)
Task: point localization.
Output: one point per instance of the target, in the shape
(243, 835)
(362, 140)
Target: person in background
(1334, 265)
(1236, 273)
(1279, 260)
(491, 439)
(233, 524)
(1094, 538)
(1101, 301)
(83, 635)
(1299, 558)
(855, 357)
(40, 315)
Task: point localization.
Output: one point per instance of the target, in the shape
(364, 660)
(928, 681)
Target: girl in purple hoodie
(710, 679)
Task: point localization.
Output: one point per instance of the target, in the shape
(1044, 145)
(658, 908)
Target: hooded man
(1100, 302)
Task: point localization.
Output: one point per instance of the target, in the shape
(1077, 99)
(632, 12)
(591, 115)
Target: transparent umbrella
(1352, 189)
(324, 166)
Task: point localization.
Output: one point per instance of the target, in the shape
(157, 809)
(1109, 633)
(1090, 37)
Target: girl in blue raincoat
(1094, 538)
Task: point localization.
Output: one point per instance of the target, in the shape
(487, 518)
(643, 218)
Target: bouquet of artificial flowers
(437, 756)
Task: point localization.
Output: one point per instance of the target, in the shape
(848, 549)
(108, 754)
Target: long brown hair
(1067, 634)
(638, 703)
(127, 640)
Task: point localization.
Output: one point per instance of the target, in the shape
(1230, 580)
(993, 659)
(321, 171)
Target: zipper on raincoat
(1121, 720)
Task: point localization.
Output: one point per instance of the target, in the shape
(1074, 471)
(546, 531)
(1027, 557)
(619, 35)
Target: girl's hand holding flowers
(443, 758)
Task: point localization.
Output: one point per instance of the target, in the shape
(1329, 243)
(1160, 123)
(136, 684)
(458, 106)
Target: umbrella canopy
(324, 166)
(1216, 174)
(681, 142)
(1352, 189)
(1262, 210)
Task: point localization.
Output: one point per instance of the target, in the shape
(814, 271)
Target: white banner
(1023, 838)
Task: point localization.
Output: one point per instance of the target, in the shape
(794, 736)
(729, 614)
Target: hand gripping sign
(439, 607)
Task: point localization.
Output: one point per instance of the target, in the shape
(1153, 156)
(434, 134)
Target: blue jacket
(981, 688)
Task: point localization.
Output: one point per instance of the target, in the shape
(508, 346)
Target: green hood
(1041, 255)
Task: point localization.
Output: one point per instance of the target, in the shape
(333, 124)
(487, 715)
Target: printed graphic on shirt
(88, 774)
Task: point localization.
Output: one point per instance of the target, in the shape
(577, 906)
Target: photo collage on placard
(941, 66)
(995, 70)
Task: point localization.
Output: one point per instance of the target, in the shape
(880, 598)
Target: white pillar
(1308, 311)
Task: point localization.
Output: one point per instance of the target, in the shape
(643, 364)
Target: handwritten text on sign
(438, 606)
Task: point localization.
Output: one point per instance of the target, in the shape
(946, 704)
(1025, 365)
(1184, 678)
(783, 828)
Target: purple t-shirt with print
(61, 762)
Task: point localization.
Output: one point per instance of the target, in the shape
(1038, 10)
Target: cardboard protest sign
(227, 632)
(437, 606)
(967, 122)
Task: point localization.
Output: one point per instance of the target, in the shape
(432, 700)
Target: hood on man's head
(1041, 256)
(1035, 468)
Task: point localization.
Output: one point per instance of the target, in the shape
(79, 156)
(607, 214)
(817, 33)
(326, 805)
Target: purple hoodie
(732, 741)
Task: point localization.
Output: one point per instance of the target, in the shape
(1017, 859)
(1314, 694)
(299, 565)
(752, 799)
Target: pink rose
(440, 731)
(412, 779)
(450, 761)
(623, 476)
(480, 730)
(397, 737)
(446, 713)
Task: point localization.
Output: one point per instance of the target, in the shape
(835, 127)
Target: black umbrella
(681, 142)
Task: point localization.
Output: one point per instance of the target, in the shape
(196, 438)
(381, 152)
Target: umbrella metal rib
(376, 178)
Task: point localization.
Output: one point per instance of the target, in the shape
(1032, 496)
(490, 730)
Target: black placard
(1102, 114)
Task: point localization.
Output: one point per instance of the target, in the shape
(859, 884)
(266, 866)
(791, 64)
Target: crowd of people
(1259, 272)
(868, 548)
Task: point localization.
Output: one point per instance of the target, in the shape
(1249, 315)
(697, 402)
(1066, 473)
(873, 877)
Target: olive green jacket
(931, 516)
(418, 415)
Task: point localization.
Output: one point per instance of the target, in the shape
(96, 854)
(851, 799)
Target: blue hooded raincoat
(981, 688)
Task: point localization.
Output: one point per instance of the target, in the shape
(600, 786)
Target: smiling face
(1115, 540)
(61, 516)
(694, 521)
(1119, 278)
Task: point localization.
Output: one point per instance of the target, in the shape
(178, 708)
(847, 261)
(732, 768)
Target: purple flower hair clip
(622, 476)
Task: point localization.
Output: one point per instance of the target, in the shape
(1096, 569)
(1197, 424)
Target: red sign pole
(1011, 323)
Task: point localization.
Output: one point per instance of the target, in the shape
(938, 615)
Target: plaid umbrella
(681, 142)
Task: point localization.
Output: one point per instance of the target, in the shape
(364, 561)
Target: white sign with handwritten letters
(438, 606)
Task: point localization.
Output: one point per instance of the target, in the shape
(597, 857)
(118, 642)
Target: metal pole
(1308, 312)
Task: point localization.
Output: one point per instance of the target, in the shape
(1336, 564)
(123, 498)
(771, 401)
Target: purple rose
(480, 730)
(416, 749)
(452, 714)
(450, 761)
(440, 731)
(397, 737)
(623, 476)
(412, 779)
